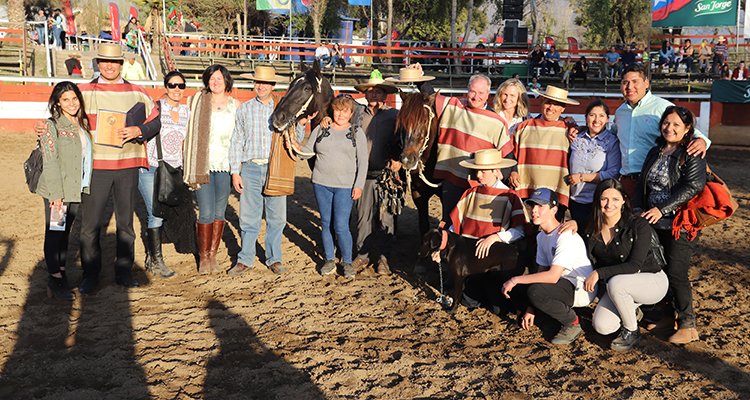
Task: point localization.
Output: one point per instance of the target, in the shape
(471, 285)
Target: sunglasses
(173, 85)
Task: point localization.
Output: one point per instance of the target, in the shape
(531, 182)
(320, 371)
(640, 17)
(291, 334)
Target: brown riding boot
(215, 241)
(205, 232)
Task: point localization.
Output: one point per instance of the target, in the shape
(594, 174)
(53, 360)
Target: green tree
(614, 21)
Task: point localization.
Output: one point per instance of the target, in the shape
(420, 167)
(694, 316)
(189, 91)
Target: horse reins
(420, 165)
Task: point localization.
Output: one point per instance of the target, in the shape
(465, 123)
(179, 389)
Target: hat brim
(388, 89)
(504, 163)
(279, 79)
(561, 100)
(110, 58)
(541, 202)
(422, 78)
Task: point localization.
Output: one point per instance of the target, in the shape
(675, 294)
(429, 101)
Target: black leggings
(56, 242)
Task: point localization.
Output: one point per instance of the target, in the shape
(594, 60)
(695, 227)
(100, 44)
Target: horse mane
(411, 115)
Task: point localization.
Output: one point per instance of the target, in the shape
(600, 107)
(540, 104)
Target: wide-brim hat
(378, 83)
(408, 75)
(556, 94)
(722, 38)
(74, 55)
(110, 51)
(487, 159)
(265, 74)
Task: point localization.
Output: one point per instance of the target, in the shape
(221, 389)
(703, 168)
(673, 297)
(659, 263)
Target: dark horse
(309, 92)
(417, 126)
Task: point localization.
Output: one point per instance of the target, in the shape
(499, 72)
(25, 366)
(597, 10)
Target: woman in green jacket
(66, 173)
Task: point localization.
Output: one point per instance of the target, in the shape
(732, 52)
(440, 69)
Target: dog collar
(444, 240)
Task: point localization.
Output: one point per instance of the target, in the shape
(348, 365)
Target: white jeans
(625, 293)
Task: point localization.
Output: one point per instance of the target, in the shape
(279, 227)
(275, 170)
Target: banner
(133, 13)
(114, 19)
(360, 2)
(731, 91)
(682, 13)
(273, 4)
(71, 28)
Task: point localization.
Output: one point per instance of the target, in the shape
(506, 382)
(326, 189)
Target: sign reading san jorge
(680, 13)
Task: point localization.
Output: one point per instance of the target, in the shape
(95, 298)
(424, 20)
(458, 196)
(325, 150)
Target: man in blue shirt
(551, 62)
(249, 153)
(611, 60)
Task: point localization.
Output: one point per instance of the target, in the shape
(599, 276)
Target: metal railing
(144, 50)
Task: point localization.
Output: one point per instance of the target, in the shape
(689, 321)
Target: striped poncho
(541, 148)
(485, 210)
(116, 97)
(463, 131)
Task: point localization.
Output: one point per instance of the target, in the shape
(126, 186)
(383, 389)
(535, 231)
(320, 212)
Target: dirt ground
(304, 336)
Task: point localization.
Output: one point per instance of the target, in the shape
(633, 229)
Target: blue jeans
(580, 213)
(40, 33)
(146, 187)
(56, 36)
(252, 205)
(213, 197)
(336, 203)
(324, 60)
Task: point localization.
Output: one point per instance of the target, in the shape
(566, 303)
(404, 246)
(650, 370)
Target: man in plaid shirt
(249, 151)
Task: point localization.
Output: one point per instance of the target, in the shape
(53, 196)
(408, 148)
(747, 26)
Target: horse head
(416, 125)
(309, 92)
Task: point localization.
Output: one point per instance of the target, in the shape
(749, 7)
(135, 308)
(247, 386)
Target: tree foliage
(614, 21)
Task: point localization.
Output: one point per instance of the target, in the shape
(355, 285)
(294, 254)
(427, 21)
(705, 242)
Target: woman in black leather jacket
(619, 244)
(669, 179)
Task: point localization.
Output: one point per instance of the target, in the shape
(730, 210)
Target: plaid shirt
(251, 138)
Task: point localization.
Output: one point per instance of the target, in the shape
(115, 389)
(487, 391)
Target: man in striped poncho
(541, 148)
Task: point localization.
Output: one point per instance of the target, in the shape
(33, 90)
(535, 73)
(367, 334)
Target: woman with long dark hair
(67, 165)
(206, 159)
(670, 177)
(619, 244)
(174, 119)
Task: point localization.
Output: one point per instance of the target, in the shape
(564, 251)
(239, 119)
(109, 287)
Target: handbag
(169, 189)
(280, 178)
(32, 167)
(707, 217)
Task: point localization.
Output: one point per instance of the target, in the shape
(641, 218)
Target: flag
(360, 2)
(114, 20)
(69, 18)
(273, 4)
(133, 13)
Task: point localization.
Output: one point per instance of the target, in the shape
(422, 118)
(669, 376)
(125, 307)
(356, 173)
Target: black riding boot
(155, 262)
(58, 288)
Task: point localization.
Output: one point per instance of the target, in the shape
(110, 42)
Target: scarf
(195, 151)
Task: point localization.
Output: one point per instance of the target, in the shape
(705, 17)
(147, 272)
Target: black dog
(458, 252)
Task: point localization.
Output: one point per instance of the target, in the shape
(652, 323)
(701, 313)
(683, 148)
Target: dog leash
(444, 300)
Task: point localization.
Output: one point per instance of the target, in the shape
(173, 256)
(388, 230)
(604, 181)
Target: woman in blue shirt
(666, 55)
(594, 157)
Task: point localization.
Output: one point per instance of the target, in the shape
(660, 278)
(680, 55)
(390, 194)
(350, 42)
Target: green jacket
(63, 163)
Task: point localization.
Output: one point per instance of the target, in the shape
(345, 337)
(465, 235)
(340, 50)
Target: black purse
(658, 250)
(169, 189)
(32, 167)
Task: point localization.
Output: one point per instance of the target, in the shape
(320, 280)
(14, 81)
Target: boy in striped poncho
(491, 213)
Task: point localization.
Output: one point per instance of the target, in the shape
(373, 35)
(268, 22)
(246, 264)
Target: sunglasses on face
(172, 85)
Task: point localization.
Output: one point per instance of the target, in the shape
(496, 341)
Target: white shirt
(322, 51)
(568, 251)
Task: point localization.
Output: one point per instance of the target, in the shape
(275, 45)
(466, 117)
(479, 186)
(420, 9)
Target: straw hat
(556, 94)
(487, 159)
(407, 75)
(110, 51)
(376, 82)
(74, 55)
(265, 74)
(722, 38)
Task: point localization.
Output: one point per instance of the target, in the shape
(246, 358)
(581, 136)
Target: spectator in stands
(628, 58)
(56, 23)
(687, 55)
(337, 57)
(611, 63)
(666, 55)
(551, 62)
(534, 84)
(132, 70)
(131, 26)
(40, 17)
(580, 70)
(73, 65)
(704, 56)
(322, 54)
(721, 53)
(740, 73)
(567, 70)
(725, 73)
(535, 59)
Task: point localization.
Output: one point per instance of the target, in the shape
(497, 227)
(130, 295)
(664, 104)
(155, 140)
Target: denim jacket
(63, 163)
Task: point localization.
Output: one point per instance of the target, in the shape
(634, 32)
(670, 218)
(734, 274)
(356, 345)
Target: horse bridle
(420, 166)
